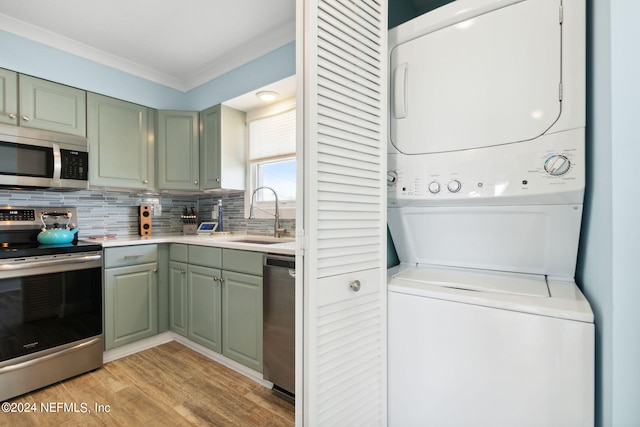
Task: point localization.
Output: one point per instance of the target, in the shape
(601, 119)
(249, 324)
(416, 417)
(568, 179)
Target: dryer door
(490, 80)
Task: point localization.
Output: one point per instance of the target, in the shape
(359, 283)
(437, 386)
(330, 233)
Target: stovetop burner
(30, 249)
(19, 229)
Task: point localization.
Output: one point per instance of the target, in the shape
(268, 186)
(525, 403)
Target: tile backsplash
(233, 217)
(112, 212)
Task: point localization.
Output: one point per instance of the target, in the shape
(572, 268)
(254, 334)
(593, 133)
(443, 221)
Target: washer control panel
(539, 168)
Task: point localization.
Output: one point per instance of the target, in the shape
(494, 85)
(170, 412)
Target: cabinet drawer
(130, 255)
(242, 261)
(178, 252)
(205, 256)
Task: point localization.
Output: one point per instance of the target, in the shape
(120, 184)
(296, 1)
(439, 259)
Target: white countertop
(287, 247)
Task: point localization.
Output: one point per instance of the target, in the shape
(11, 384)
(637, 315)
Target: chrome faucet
(276, 225)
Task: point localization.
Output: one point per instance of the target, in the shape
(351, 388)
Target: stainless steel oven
(50, 305)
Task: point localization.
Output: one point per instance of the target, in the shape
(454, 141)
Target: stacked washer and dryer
(485, 191)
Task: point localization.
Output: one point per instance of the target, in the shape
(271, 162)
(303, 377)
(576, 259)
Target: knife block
(144, 215)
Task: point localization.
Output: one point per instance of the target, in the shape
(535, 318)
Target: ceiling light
(267, 96)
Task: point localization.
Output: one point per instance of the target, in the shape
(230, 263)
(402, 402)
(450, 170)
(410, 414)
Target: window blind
(273, 136)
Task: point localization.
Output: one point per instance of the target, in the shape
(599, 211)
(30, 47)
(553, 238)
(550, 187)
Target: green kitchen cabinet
(204, 302)
(9, 97)
(40, 104)
(178, 310)
(121, 137)
(242, 307)
(178, 150)
(131, 294)
(216, 300)
(242, 318)
(195, 292)
(222, 148)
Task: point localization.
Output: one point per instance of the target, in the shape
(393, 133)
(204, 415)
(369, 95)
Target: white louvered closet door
(342, 71)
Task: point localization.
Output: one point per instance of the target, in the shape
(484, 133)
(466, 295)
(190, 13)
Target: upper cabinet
(178, 150)
(41, 104)
(8, 97)
(222, 148)
(120, 143)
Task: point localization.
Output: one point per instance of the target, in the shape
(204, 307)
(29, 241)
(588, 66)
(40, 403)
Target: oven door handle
(45, 263)
(41, 359)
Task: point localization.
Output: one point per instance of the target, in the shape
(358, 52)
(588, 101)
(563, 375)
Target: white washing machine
(485, 189)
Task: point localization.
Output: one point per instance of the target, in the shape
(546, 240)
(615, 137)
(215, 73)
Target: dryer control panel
(548, 169)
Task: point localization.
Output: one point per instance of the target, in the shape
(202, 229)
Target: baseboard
(165, 337)
(136, 347)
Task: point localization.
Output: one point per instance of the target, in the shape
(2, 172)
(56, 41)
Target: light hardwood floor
(169, 385)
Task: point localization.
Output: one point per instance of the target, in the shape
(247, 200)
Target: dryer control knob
(434, 187)
(454, 186)
(557, 165)
(392, 178)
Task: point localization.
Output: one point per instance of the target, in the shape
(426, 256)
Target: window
(272, 163)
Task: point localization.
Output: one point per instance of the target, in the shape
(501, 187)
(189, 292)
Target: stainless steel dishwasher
(279, 274)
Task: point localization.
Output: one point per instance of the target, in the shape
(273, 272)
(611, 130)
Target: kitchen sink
(262, 240)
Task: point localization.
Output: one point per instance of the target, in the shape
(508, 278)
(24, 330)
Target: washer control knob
(434, 187)
(454, 186)
(392, 178)
(557, 165)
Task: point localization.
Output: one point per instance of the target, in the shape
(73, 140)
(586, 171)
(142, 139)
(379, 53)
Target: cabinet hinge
(301, 242)
(560, 91)
(561, 13)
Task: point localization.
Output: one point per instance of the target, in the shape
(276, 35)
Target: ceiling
(179, 44)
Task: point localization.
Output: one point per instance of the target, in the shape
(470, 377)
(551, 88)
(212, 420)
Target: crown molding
(230, 60)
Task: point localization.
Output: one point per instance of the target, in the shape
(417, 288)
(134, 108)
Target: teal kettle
(56, 236)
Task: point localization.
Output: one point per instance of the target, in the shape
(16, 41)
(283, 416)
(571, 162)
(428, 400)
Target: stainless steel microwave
(35, 158)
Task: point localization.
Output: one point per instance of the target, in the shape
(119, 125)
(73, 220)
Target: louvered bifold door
(343, 145)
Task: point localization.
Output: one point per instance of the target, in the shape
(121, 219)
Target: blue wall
(610, 246)
(274, 66)
(29, 57)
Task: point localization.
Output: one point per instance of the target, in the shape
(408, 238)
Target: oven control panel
(9, 214)
(13, 217)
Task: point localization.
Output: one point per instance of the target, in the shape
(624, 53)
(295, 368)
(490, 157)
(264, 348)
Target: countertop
(285, 246)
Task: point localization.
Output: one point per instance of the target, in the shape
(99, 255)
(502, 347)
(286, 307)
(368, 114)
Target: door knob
(355, 285)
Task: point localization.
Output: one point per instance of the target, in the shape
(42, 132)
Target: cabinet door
(178, 312)
(131, 301)
(120, 154)
(52, 106)
(210, 172)
(205, 307)
(8, 97)
(344, 193)
(242, 318)
(222, 148)
(178, 150)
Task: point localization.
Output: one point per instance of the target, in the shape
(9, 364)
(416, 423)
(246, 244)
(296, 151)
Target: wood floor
(169, 385)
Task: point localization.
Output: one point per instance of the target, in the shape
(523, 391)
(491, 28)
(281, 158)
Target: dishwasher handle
(279, 261)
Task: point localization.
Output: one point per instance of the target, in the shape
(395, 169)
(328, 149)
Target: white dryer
(485, 189)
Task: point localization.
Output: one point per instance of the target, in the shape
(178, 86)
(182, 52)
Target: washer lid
(533, 285)
(559, 298)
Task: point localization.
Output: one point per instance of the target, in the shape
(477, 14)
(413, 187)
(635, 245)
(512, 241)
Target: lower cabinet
(242, 318)
(131, 294)
(218, 308)
(195, 303)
